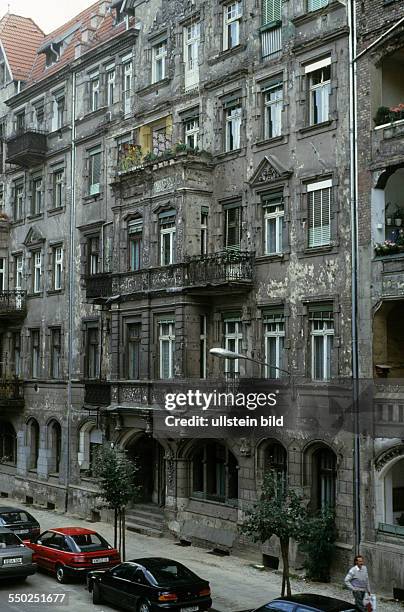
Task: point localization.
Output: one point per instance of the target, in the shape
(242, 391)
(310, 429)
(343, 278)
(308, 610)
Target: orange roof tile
(21, 38)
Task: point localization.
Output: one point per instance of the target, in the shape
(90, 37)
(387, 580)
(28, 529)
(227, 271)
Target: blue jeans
(358, 597)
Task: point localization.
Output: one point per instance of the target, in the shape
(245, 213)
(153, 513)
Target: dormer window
(52, 55)
(119, 13)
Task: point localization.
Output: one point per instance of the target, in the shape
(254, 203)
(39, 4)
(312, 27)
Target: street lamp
(226, 354)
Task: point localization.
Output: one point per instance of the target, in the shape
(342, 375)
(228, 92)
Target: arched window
(33, 443)
(89, 440)
(214, 473)
(394, 496)
(54, 446)
(8, 443)
(275, 458)
(324, 477)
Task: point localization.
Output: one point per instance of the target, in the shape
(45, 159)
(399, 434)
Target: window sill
(316, 251)
(223, 55)
(325, 126)
(93, 113)
(153, 87)
(212, 502)
(271, 25)
(271, 142)
(54, 291)
(273, 257)
(59, 131)
(310, 15)
(55, 211)
(226, 155)
(92, 197)
(35, 217)
(18, 222)
(31, 296)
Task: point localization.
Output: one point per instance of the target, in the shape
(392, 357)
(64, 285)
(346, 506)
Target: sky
(48, 14)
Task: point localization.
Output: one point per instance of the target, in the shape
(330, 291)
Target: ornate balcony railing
(11, 391)
(99, 285)
(26, 148)
(12, 303)
(218, 268)
(97, 393)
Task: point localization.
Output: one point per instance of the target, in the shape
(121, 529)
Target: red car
(72, 551)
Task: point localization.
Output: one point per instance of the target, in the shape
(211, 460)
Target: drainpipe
(72, 280)
(351, 7)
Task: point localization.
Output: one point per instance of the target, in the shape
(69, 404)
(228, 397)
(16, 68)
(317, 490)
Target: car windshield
(169, 572)
(8, 518)
(9, 540)
(90, 542)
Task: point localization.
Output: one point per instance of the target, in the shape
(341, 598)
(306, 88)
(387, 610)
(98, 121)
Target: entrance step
(147, 519)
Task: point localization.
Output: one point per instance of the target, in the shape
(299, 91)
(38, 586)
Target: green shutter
(271, 11)
(314, 5)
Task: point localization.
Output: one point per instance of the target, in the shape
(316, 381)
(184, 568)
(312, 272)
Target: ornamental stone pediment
(34, 236)
(270, 170)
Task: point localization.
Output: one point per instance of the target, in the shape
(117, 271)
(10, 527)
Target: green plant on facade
(319, 545)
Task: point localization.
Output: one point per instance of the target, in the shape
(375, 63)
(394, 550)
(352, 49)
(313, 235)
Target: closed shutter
(319, 217)
(271, 11)
(314, 5)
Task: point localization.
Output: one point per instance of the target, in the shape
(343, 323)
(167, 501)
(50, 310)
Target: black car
(307, 602)
(151, 585)
(20, 522)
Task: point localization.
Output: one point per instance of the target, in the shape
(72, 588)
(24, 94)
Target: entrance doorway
(148, 455)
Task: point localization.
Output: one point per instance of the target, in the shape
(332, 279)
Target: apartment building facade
(380, 210)
(185, 186)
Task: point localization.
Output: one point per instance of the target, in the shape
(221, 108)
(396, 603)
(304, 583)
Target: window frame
(233, 341)
(57, 267)
(319, 235)
(159, 61)
(135, 242)
(229, 20)
(278, 335)
(275, 105)
(35, 337)
(324, 87)
(327, 333)
(233, 118)
(94, 187)
(94, 91)
(169, 340)
(55, 365)
(37, 263)
(37, 196)
(167, 231)
(274, 210)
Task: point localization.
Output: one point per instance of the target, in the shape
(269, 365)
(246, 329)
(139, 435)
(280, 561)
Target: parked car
(307, 602)
(73, 551)
(15, 557)
(151, 585)
(21, 522)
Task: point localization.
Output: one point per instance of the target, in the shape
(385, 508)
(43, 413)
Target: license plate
(21, 531)
(190, 609)
(101, 560)
(13, 561)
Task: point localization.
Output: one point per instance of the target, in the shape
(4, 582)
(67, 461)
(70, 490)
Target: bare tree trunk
(120, 529)
(123, 555)
(115, 527)
(285, 573)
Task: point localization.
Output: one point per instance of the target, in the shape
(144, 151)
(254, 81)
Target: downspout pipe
(351, 6)
(71, 282)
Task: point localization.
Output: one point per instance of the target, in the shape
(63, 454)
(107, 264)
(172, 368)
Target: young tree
(318, 542)
(279, 512)
(116, 473)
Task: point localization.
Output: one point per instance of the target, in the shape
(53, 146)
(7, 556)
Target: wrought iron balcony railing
(26, 148)
(11, 391)
(12, 303)
(99, 285)
(222, 267)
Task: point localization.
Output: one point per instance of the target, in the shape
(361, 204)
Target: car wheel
(144, 606)
(60, 574)
(97, 599)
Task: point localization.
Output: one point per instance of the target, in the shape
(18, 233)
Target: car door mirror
(39, 541)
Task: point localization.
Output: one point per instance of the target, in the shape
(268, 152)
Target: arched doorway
(148, 455)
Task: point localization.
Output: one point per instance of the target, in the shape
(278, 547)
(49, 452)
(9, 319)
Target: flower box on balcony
(386, 114)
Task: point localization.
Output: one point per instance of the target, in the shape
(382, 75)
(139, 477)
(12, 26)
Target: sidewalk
(236, 585)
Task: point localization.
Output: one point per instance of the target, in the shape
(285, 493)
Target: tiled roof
(21, 38)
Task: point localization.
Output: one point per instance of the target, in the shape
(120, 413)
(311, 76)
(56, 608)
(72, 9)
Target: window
(135, 235)
(233, 338)
(232, 227)
(191, 132)
(55, 448)
(58, 110)
(274, 335)
(110, 85)
(8, 450)
(94, 260)
(18, 204)
(2, 202)
(159, 53)
(232, 128)
(324, 473)
(37, 272)
(3, 274)
(161, 139)
(319, 213)
(214, 473)
(273, 105)
(319, 85)
(322, 336)
(36, 201)
(191, 52)
(16, 353)
(33, 444)
(314, 5)
(166, 348)
(94, 170)
(39, 115)
(20, 122)
(92, 353)
(204, 230)
(56, 346)
(94, 91)
(231, 24)
(273, 223)
(274, 458)
(203, 337)
(391, 502)
(58, 187)
(133, 350)
(35, 353)
(167, 238)
(90, 439)
(3, 73)
(57, 258)
(127, 86)
(271, 11)
(18, 271)
(2, 143)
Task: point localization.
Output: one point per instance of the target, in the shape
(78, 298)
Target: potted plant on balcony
(389, 214)
(398, 219)
(383, 115)
(386, 248)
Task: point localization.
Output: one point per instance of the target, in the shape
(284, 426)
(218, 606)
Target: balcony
(214, 273)
(11, 393)
(26, 148)
(97, 393)
(12, 305)
(98, 286)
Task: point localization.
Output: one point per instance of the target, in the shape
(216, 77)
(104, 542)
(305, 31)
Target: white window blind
(314, 5)
(319, 210)
(271, 11)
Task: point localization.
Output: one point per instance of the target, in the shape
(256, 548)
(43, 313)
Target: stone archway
(149, 456)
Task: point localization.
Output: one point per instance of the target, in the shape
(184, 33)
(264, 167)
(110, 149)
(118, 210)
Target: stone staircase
(147, 519)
